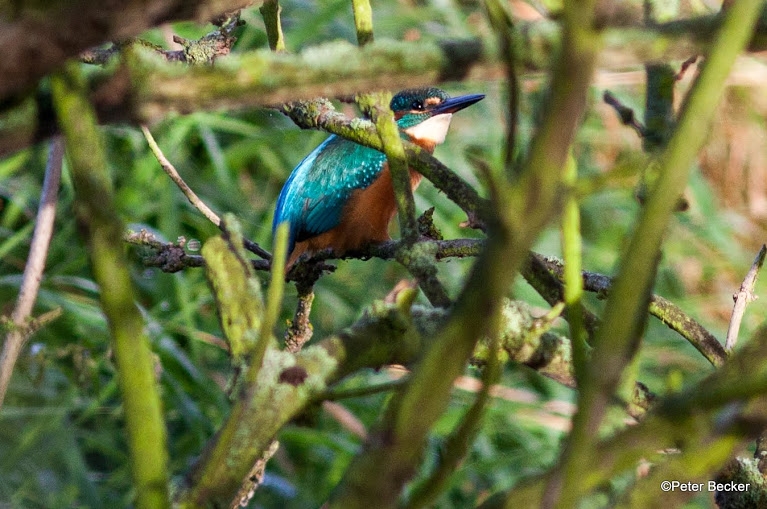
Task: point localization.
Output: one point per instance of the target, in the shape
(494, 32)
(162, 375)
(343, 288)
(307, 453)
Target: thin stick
(743, 297)
(255, 477)
(33, 271)
(300, 330)
(170, 170)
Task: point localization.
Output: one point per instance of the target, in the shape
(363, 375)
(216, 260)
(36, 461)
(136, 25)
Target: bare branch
(33, 271)
(626, 114)
(171, 171)
(195, 200)
(255, 478)
(40, 37)
(744, 296)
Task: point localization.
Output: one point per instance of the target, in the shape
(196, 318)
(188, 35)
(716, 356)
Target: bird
(341, 197)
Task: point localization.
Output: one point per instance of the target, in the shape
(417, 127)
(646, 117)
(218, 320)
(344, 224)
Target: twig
(686, 65)
(300, 329)
(273, 297)
(171, 171)
(345, 418)
(33, 271)
(218, 43)
(504, 27)
(255, 478)
(171, 257)
(663, 309)
(625, 114)
(204, 50)
(100, 56)
(572, 248)
(744, 296)
(376, 106)
(550, 286)
(168, 257)
(206, 211)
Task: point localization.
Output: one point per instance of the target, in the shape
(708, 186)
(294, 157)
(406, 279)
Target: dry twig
(33, 271)
(744, 296)
(195, 200)
(171, 171)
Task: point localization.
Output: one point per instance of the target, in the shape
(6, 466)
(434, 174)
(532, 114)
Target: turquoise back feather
(314, 195)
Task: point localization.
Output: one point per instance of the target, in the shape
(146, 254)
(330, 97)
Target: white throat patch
(433, 129)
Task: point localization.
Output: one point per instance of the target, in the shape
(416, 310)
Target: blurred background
(61, 437)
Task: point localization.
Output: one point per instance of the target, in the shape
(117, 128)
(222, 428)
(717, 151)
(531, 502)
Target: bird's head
(424, 113)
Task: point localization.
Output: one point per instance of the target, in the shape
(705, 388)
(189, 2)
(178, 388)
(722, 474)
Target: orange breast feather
(365, 219)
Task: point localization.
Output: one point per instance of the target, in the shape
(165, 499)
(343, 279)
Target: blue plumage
(318, 197)
(314, 195)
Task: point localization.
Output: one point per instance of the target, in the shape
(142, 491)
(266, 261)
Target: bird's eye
(417, 105)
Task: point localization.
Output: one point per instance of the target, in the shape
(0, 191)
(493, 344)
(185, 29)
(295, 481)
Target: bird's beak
(457, 103)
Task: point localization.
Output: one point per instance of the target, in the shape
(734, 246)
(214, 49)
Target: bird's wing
(314, 195)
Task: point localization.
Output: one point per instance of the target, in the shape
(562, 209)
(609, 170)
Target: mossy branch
(544, 274)
(281, 389)
(618, 337)
(661, 308)
(95, 212)
(40, 34)
(700, 419)
(146, 90)
(392, 453)
(419, 260)
(237, 294)
(363, 21)
(377, 108)
(300, 330)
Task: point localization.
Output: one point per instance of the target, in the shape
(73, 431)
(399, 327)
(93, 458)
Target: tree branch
(37, 38)
(33, 270)
(744, 296)
(102, 230)
(171, 171)
(200, 205)
(618, 338)
(663, 309)
(334, 69)
(363, 21)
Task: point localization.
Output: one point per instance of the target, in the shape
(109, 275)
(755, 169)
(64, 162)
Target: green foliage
(62, 440)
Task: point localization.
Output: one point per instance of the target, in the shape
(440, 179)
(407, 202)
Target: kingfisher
(341, 196)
